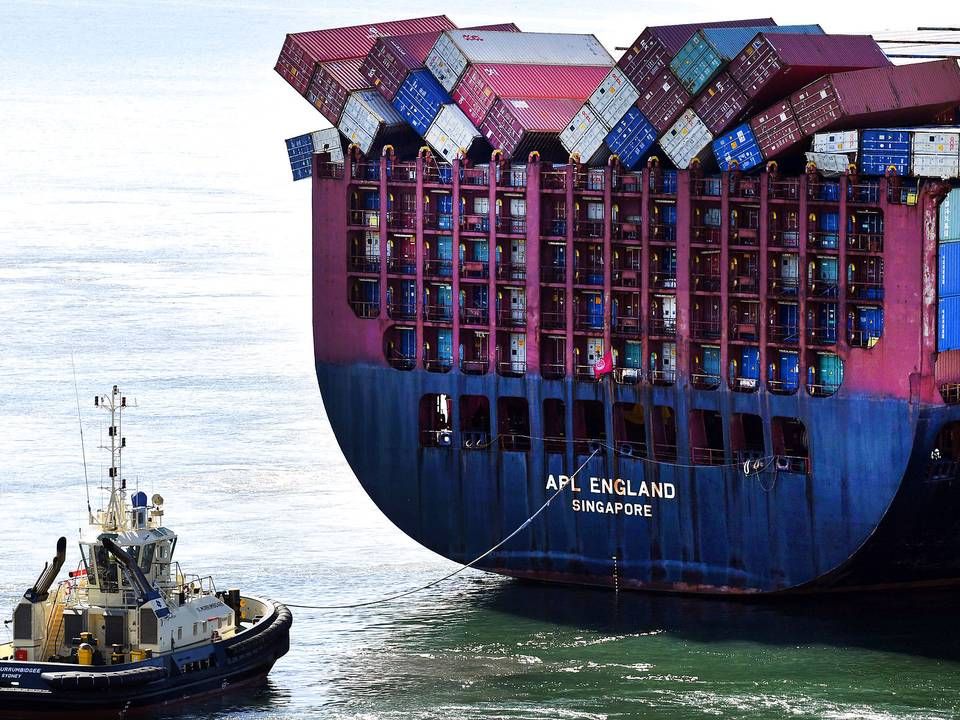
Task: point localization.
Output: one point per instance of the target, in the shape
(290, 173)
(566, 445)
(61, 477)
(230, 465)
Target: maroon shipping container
(496, 27)
(720, 104)
(303, 51)
(332, 84)
(481, 84)
(663, 100)
(776, 129)
(390, 60)
(651, 53)
(894, 95)
(518, 126)
(773, 66)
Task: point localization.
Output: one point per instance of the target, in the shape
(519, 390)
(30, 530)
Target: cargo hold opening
(589, 428)
(664, 424)
(475, 421)
(513, 418)
(554, 426)
(436, 420)
(706, 437)
(790, 444)
(746, 437)
(630, 429)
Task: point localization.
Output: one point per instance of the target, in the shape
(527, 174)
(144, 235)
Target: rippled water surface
(148, 229)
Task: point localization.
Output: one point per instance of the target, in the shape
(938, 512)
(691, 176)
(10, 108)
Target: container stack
(921, 152)
(948, 274)
(302, 148)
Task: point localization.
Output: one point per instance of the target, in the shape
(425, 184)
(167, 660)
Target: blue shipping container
(750, 363)
(789, 369)
(738, 145)
(300, 153)
(948, 324)
(595, 310)
(879, 149)
(419, 100)
(950, 216)
(711, 361)
(948, 273)
(631, 138)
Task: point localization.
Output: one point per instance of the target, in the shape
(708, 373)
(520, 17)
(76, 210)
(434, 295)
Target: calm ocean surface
(149, 228)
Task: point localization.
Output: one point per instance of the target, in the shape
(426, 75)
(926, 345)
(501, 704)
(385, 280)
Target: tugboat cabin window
(554, 425)
(513, 418)
(436, 420)
(475, 421)
(146, 561)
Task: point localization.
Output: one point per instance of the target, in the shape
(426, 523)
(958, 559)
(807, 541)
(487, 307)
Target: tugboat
(128, 630)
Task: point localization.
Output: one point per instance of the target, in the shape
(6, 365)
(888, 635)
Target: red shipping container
(720, 104)
(776, 129)
(651, 53)
(773, 66)
(518, 126)
(481, 84)
(894, 95)
(303, 51)
(332, 85)
(663, 100)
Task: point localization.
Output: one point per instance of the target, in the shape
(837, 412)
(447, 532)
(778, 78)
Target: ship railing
(705, 282)
(663, 327)
(512, 225)
(741, 383)
(745, 188)
(588, 229)
(822, 287)
(475, 439)
(663, 377)
(626, 323)
(625, 231)
(553, 273)
(784, 238)
(663, 183)
(365, 263)
(744, 330)
(824, 191)
(950, 392)
(190, 585)
(588, 445)
(663, 232)
(745, 283)
(438, 313)
(366, 171)
(871, 242)
(627, 376)
(665, 452)
(365, 310)
(436, 438)
(553, 180)
(743, 455)
(402, 310)
(584, 373)
(787, 334)
(747, 236)
(626, 273)
(474, 315)
(441, 268)
(438, 221)
(474, 268)
(863, 338)
(475, 176)
(474, 366)
(589, 180)
(401, 220)
(822, 389)
(514, 443)
(365, 218)
(822, 336)
(865, 191)
(904, 194)
(402, 264)
(708, 234)
(823, 239)
(512, 368)
(553, 370)
(705, 187)
(864, 289)
(705, 381)
(627, 182)
(588, 274)
(512, 317)
(630, 448)
(783, 387)
(511, 271)
(792, 464)
(554, 227)
(402, 362)
(554, 319)
(783, 189)
(783, 286)
(437, 174)
(515, 177)
(475, 223)
(436, 363)
(663, 280)
(403, 172)
(587, 321)
(707, 456)
(330, 170)
(705, 329)
(554, 444)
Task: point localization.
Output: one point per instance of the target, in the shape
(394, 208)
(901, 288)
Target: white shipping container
(935, 142)
(613, 98)
(455, 49)
(328, 141)
(685, 139)
(844, 141)
(451, 132)
(830, 163)
(584, 135)
(364, 116)
(941, 165)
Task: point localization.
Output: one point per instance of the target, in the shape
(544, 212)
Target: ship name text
(617, 487)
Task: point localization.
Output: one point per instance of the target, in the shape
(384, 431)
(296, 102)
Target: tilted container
(720, 104)
(419, 100)
(584, 135)
(328, 141)
(368, 118)
(685, 139)
(737, 146)
(456, 49)
(631, 138)
(776, 129)
(772, 65)
(663, 100)
(829, 163)
(518, 126)
(839, 141)
(451, 133)
(613, 97)
(332, 84)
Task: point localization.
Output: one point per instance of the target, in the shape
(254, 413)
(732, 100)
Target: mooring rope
(391, 598)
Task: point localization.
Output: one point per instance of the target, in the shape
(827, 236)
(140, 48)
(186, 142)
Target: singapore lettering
(620, 489)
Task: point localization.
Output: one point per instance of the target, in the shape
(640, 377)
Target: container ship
(739, 353)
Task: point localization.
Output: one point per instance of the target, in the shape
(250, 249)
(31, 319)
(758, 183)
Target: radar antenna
(116, 509)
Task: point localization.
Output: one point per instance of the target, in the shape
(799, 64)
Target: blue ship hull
(873, 511)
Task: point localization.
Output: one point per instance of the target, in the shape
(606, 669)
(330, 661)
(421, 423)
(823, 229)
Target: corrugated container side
(300, 154)
(419, 100)
(446, 62)
(685, 139)
(584, 135)
(498, 27)
(451, 132)
(387, 65)
(934, 141)
(948, 325)
(934, 165)
(357, 40)
(776, 130)
(673, 37)
(517, 125)
(613, 97)
(737, 145)
(838, 141)
(631, 138)
(329, 141)
(773, 65)
(948, 273)
(365, 116)
(663, 100)
(950, 216)
(720, 104)
(880, 149)
(829, 163)
(294, 66)
(332, 84)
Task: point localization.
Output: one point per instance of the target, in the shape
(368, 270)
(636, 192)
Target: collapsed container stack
(735, 93)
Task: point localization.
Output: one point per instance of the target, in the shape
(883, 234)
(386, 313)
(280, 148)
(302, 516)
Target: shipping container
(481, 84)
(456, 49)
(419, 100)
(882, 149)
(720, 104)
(950, 216)
(935, 152)
(708, 50)
(772, 66)
(300, 154)
(650, 54)
(631, 138)
(937, 165)
(830, 164)
(948, 325)
(838, 141)
(897, 94)
(948, 273)
(366, 115)
(663, 100)
(332, 84)
(584, 135)
(737, 146)
(613, 97)
(776, 129)
(518, 126)
(302, 52)
(685, 139)
(451, 133)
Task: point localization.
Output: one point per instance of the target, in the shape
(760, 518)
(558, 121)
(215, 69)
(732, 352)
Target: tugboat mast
(113, 518)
